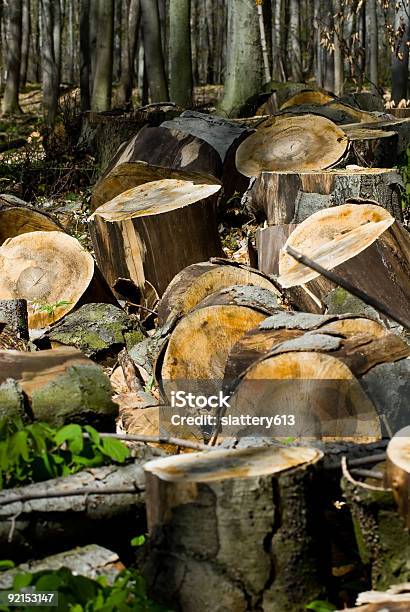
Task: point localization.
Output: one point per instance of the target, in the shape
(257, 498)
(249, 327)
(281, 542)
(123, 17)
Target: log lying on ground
(251, 557)
(169, 148)
(100, 331)
(365, 101)
(91, 561)
(151, 232)
(277, 93)
(291, 143)
(17, 217)
(287, 197)
(382, 538)
(336, 111)
(61, 386)
(398, 471)
(53, 272)
(47, 524)
(372, 148)
(308, 96)
(199, 345)
(353, 239)
(196, 282)
(400, 126)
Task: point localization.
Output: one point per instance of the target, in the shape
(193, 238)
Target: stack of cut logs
(278, 338)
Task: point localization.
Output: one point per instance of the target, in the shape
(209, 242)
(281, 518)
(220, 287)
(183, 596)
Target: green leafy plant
(321, 606)
(50, 308)
(37, 452)
(81, 594)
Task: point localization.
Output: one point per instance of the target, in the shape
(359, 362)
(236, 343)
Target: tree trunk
(338, 53)
(295, 52)
(85, 60)
(251, 558)
(374, 47)
(127, 75)
(11, 91)
(14, 314)
(180, 80)
(102, 85)
(117, 50)
(154, 58)
(244, 70)
(25, 41)
(400, 57)
(50, 57)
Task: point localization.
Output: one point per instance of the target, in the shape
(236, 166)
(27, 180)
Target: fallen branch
(74, 493)
(156, 440)
(367, 460)
(335, 278)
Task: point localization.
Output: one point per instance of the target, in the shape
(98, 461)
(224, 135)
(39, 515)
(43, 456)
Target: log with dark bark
(353, 239)
(381, 535)
(47, 524)
(53, 272)
(397, 476)
(17, 217)
(169, 148)
(60, 386)
(372, 148)
(269, 241)
(251, 557)
(295, 144)
(287, 197)
(400, 126)
(198, 281)
(14, 314)
(336, 111)
(151, 232)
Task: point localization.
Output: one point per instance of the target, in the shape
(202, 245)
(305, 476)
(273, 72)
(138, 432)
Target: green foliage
(6, 564)
(51, 308)
(81, 594)
(321, 606)
(37, 452)
(138, 541)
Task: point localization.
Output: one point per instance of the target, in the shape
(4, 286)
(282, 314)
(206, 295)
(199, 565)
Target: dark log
(338, 112)
(151, 232)
(61, 386)
(46, 525)
(249, 558)
(17, 217)
(286, 197)
(400, 126)
(397, 475)
(372, 148)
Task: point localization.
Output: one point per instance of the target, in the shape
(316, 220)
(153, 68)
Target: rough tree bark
(337, 41)
(50, 58)
(374, 46)
(295, 52)
(127, 74)
(85, 60)
(25, 41)
(11, 92)
(400, 57)
(244, 70)
(102, 85)
(154, 58)
(181, 81)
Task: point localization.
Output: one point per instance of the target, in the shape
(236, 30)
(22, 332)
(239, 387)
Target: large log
(46, 524)
(53, 272)
(397, 475)
(287, 197)
(291, 143)
(60, 386)
(338, 112)
(151, 232)
(18, 217)
(213, 520)
(372, 148)
(196, 282)
(400, 126)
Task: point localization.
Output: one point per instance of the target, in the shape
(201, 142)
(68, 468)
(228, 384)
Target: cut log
(47, 524)
(18, 217)
(269, 242)
(308, 96)
(398, 471)
(169, 148)
(287, 197)
(198, 281)
(291, 143)
(336, 111)
(381, 535)
(100, 331)
(61, 386)
(250, 558)
(13, 313)
(198, 347)
(353, 239)
(372, 148)
(91, 561)
(53, 272)
(365, 101)
(400, 126)
(277, 93)
(132, 174)
(151, 232)
(314, 394)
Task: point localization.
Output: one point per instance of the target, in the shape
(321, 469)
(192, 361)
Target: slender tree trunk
(374, 46)
(295, 52)
(71, 59)
(117, 64)
(400, 60)
(25, 41)
(50, 71)
(276, 43)
(11, 92)
(318, 46)
(180, 81)
(128, 72)
(2, 47)
(102, 86)
(264, 45)
(57, 21)
(327, 56)
(243, 73)
(337, 41)
(85, 60)
(93, 36)
(154, 58)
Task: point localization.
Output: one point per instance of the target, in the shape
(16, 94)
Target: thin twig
(156, 440)
(335, 278)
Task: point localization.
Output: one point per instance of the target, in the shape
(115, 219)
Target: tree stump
(400, 126)
(151, 232)
(253, 556)
(287, 198)
(17, 217)
(198, 281)
(398, 471)
(53, 272)
(60, 386)
(291, 143)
